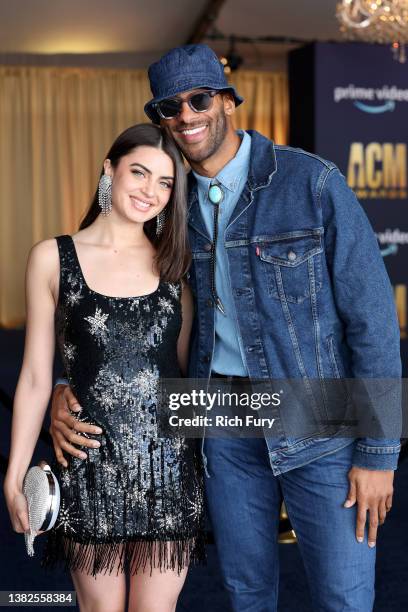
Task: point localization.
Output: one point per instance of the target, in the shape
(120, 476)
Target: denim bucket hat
(185, 68)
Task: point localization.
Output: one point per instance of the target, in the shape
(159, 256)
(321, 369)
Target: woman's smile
(140, 204)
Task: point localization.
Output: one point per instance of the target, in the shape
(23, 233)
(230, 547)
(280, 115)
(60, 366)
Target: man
(293, 288)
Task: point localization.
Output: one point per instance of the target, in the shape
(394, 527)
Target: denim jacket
(312, 296)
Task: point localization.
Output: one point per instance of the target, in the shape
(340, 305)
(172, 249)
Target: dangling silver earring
(160, 222)
(105, 194)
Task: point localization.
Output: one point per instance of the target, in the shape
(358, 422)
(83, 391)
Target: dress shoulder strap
(71, 280)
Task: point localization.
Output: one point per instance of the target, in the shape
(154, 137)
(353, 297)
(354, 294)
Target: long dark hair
(172, 251)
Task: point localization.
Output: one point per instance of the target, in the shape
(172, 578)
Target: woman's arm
(35, 380)
(187, 309)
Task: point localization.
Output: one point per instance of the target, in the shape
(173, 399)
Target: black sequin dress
(137, 500)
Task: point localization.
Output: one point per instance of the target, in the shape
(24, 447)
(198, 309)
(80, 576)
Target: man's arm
(364, 299)
(365, 302)
(187, 307)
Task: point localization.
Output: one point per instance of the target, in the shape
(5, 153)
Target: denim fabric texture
(244, 499)
(184, 68)
(312, 297)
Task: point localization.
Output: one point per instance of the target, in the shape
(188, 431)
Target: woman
(122, 321)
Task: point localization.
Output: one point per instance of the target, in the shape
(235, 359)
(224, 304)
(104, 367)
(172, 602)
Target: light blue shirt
(228, 355)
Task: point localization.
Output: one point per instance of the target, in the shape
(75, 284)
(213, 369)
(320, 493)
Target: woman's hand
(18, 510)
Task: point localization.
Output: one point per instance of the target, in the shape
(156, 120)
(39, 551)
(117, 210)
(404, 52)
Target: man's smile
(193, 134)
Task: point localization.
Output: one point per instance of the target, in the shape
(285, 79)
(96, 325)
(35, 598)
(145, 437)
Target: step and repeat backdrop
(349, 104)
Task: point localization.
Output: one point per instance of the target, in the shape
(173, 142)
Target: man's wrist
(61, 381)
(375, 460)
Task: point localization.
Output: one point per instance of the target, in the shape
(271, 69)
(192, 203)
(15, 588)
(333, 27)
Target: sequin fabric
(136, 501)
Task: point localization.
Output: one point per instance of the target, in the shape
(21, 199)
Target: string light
(232, 60)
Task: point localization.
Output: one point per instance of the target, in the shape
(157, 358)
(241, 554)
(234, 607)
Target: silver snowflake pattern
(147, 382)
(174, 290)
(196, 507)
(166, 305)
(72, 279)
(97, 322)
(66, 520)
(169, 522)
(111, 390)
(178, 445)
(69, 351)
(65, 478)
(74, 297)
(106, 389)
(106, 399)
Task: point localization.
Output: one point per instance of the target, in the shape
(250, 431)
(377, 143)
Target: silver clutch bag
(42, 492)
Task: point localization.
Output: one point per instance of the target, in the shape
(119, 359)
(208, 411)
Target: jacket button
(206, 359)
(207, 247)
(210, 303)
(292, 255)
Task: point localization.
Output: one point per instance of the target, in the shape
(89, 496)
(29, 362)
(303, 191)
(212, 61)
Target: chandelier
(376, 21)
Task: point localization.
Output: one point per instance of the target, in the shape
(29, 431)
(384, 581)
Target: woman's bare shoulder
(43, 256)
(45, 248)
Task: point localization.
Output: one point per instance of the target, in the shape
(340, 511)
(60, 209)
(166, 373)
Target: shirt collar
(231, 175)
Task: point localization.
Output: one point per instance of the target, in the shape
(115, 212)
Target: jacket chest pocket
(292, 264)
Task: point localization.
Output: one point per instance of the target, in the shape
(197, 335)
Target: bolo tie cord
(213, 259)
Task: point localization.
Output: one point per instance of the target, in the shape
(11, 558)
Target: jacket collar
(262, 165)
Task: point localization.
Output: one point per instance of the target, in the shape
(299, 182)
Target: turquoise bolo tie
(215, 195)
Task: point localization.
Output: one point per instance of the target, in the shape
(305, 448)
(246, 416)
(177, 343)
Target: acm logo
(378, 170)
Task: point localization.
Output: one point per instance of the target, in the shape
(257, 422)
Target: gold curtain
(266, 106)
(56, 125)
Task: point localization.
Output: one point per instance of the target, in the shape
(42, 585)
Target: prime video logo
(390, 239)
(370, 99)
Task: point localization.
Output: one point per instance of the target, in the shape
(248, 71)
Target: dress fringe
(131, 556)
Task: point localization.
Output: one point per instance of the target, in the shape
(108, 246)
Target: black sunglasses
(198, 102)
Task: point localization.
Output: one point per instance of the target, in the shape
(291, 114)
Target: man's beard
(217, 132)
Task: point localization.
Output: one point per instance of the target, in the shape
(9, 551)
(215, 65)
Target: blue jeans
(244, 500)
